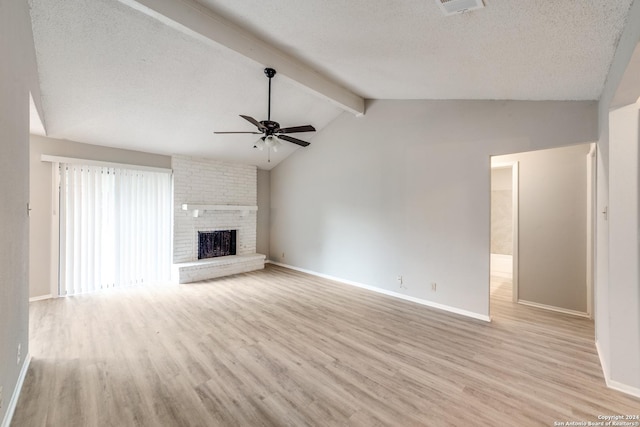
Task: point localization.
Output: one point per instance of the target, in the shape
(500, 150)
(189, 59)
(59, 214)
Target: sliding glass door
(115, 228)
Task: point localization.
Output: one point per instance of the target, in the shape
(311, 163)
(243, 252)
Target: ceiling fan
(271, 130)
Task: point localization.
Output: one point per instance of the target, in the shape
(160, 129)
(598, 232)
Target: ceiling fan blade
(294, 129)
(254, 122)
(294, 140)
(256, 133)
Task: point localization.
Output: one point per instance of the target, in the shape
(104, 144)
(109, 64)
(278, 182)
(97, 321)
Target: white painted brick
(205, 181)
(219, 267)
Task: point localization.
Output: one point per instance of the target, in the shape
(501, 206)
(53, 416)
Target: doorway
(504, 229)
(542, 228)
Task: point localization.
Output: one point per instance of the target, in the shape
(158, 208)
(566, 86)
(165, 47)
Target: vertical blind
(115, 228)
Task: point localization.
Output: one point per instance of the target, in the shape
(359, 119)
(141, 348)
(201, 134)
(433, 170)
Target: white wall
(18, 76)
(40, 221)
(609, 348)
(552, 244)
(405, 189)
(624, 254)
(264, 206)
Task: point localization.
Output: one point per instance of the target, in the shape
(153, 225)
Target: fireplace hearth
(213, 244)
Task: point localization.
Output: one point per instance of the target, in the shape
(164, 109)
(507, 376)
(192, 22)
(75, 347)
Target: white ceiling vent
(452, 7)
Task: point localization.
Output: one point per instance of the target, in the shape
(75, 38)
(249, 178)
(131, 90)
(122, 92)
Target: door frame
(515, 182)
(590, 229)
(591, 226)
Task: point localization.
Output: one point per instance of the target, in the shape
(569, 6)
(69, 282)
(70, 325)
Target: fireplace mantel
(197, 208)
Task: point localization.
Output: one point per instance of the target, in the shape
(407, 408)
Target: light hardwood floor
(278, 347)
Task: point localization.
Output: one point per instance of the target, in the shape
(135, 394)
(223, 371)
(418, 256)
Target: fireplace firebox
(213, 244)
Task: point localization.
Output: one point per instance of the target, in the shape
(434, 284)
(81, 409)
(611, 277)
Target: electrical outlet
(401, 283)
(19, 354)
(282, 255)
(434, 286)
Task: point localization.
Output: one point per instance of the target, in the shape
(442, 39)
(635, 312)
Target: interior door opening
(504, 229)
(542, 209)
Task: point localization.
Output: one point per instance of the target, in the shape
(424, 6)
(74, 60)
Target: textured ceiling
(111, 75)
(527, 50)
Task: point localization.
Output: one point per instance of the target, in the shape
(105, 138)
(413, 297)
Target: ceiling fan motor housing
(271, 126)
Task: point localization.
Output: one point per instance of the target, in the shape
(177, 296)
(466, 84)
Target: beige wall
(624, 239)
(18, 77)
(614, 339)
(405, 190)
(552, 226)
(501, 212)
(40, 270)
(264, 205)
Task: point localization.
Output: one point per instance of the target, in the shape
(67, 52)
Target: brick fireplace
(210, 196)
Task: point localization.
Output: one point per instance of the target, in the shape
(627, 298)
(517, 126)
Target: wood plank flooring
(281, 348)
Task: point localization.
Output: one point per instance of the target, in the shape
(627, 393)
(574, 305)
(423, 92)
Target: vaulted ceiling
(162, 75)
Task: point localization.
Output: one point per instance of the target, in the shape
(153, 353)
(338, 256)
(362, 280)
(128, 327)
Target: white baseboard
(627, 389)
(16, 392)
(40, 298)
(389, 293)
(615, 385)
(603, 365)
(553, 308)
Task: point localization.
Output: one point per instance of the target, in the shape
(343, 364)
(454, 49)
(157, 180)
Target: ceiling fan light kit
(268, 141)
(271, 130)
